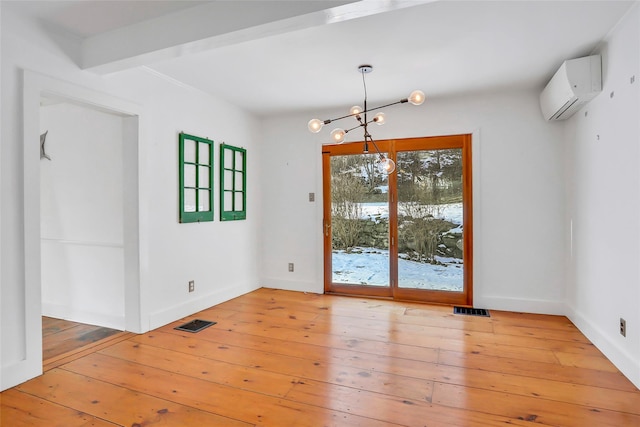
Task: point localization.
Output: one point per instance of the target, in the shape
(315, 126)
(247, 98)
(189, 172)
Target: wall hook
(43, 139)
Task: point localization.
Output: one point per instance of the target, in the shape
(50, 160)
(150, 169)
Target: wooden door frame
(329, 286)
(392, 146)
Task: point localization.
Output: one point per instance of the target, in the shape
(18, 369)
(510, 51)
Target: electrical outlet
(290, 267)
(623, 327)
(192, 285)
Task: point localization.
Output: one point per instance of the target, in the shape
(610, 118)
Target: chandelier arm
(326, 122)
(374, 146)
(402, 101)
(355, 127)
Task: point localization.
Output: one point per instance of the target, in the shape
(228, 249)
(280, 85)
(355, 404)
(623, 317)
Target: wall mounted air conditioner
(576, 82)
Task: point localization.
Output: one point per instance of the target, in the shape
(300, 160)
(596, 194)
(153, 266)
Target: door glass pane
(203, 153)
(228, 158)
(239, 156)
(359, 221)
(228, 179)
(189, 150)
(203, 177)
(203, 200)
(430, 214)
(189, 175)
(189, 200)
(238, 182)
(238, 205)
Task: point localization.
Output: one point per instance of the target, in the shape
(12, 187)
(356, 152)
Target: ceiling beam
(217, 24)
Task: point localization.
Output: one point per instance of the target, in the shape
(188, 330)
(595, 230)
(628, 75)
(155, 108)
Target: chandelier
(338, 135)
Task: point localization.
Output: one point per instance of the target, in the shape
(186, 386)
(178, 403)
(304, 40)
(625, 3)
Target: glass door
(406, 235)
(430, 225)
(357, 225)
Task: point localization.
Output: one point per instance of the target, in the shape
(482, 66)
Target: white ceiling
(446, 48)
(84, 18)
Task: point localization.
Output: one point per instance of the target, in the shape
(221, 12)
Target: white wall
(81, 211)
(519, 227)
(603, 204)
(222, 258)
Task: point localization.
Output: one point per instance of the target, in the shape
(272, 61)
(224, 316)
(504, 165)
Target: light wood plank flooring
(278, 358)
(61, 337)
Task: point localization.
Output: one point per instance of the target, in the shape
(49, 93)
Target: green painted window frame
(233, 183)
(195, 163)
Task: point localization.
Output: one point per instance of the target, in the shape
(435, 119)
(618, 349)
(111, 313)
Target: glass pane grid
(233, 183)
(196, 179)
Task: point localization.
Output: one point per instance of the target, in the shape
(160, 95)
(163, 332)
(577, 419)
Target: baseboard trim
(522, 305)
(187, 308)
(624, 361)
(59, 311)
(294, 285)
(19, 372)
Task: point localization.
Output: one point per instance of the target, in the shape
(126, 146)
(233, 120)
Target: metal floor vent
(195, 325)
(471, 311)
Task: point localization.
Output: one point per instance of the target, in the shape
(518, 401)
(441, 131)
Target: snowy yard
(371, 265)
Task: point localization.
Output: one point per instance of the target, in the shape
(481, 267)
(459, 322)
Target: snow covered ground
(371, 265)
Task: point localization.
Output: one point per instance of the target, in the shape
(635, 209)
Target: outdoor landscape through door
(359, 218)
(406, 235)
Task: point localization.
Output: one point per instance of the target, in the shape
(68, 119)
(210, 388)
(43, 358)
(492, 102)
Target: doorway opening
(407, 235)
(81, 224)
(36, 89)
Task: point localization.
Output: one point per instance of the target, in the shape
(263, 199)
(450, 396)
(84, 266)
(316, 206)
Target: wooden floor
(62, 337)
(278, 358)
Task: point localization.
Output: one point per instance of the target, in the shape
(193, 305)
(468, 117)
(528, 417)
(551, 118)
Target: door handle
(327, 226)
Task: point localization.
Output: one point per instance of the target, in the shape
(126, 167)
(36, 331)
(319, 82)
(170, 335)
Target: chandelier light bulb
(379, 118)
(338, 135)
(386, 166)
(315, 125)
(416, 97)
(356, 109)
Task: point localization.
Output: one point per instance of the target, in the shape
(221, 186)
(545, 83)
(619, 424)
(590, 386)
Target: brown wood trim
(326, 219)
(361, 290)
(467, 196)
(391, 147)
(393, 221)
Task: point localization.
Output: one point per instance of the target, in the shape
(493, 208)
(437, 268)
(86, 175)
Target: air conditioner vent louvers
(564, 109)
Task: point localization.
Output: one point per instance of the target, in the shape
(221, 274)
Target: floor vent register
(469, 311)
(195, 325)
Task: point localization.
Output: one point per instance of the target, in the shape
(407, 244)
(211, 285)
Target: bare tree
(347, 192)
